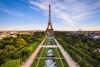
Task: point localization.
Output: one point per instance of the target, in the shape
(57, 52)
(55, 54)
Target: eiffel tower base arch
(49, 31)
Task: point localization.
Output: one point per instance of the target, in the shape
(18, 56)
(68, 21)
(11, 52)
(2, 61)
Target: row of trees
(84, 55)
(78, 46)
(20, 47)
(81, 61)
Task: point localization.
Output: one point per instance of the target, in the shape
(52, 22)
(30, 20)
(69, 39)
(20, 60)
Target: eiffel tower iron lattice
(49, 29)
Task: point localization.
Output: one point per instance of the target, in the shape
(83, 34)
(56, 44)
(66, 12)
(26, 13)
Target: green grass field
(45, 52)
(41, 62)
(46, 42)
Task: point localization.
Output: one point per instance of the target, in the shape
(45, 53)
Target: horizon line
(44, 30)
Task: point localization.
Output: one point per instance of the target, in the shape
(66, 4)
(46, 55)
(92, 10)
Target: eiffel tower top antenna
(49, 13)
(49, 19)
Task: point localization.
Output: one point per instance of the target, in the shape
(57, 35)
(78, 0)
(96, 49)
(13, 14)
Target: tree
(20, 43)
(11, 63)
(10, 50)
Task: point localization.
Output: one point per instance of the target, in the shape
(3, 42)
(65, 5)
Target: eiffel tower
(49, 29)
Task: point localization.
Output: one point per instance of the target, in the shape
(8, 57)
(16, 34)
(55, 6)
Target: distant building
(94, 36)
(79, 29)
(98, 49)
(2, 36)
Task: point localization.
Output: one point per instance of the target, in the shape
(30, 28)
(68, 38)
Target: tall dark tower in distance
(49, 29)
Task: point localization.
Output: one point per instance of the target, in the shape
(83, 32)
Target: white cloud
(69, 11)
(42, 4)
(15, 13)
(11, 12)
(34, 8)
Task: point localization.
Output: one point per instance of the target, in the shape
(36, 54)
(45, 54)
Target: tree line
(81, 48)
(19, 48)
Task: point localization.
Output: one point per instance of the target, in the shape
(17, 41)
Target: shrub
(24, 58)
(11, 63)
(18, 54)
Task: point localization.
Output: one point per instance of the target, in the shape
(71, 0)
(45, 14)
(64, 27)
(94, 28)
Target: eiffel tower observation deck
(49, 29)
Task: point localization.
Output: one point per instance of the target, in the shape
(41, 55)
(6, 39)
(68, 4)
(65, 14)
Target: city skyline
(33, 15)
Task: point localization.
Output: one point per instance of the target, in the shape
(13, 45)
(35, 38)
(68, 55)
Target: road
(30, 60)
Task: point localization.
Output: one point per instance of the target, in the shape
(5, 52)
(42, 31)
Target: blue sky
(66, 14)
